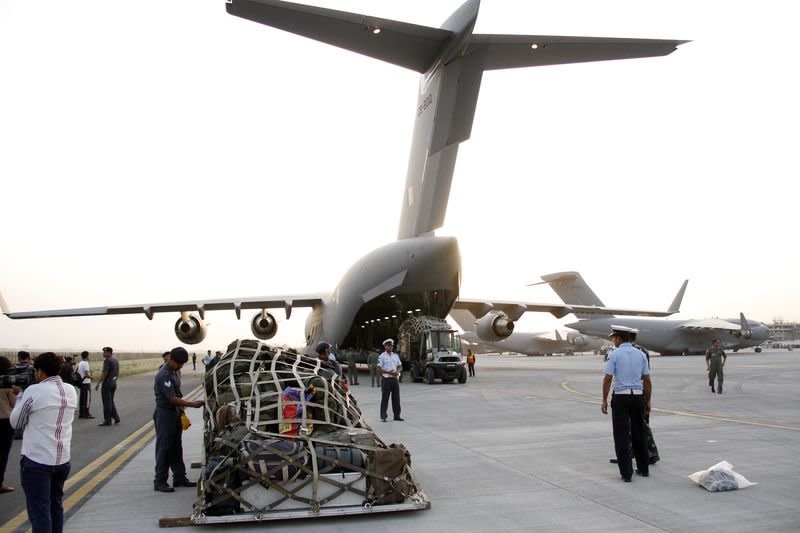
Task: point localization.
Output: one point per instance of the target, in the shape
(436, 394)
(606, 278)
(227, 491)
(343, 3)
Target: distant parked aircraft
(668, 337)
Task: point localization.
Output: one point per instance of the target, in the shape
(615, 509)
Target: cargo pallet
(284, 439)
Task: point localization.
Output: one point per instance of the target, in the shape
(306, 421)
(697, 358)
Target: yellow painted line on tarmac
(566, 387)
(148, 432)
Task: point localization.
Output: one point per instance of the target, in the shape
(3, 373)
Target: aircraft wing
(514, 310)
(512, 51)
(708, 324)
(400, 43)
(200, 306)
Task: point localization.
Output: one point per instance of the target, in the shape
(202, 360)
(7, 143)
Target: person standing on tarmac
(390, 368)
(108, 382)
(471, 362)
(715, 361)
(85, 375)
(46, 411)
(167, 419)
(652, 449)
(352, 369)
(628, 369)
(372, 361)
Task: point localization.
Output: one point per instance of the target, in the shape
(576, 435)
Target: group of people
(385, 370)
(39, 408)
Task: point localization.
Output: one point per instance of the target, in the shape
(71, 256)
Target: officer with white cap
(391, 368)
(628, 369)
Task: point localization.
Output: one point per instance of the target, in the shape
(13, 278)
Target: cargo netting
(283, 433)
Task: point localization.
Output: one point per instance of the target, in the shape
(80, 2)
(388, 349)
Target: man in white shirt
(45, 411)
(85, 373)
(390, 367)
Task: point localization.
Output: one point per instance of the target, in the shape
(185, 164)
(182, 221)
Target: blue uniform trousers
(627, 419)
(44, 494)
(169, 445)
(107, 391)
(390, 387)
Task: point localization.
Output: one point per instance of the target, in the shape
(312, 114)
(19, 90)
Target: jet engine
(264, 326)
(577, 339)
(494, 326)
(190, 329)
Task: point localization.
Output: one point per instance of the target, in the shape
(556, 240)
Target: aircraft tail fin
(675, 307)
(4, 305)
(573, 290)
(558, 336)
(746, 332)
(452, 60)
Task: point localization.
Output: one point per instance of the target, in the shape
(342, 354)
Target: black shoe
(712, 389)
(117, 421)
(184, 483)
(720, 391)
(105, 424)
(626, 479)
(654, 460)
(399, 419)
(383, 419)
(163, 487)
(643, 474)
(613, 460)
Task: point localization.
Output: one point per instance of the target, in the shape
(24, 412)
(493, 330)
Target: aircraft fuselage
(416, 276)
(667, 337)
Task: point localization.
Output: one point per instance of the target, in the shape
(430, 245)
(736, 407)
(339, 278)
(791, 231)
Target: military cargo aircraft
(668, 337)
(544, 343)
(419, 273)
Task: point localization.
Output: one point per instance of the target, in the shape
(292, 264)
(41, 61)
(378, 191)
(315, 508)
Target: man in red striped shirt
(45, 411)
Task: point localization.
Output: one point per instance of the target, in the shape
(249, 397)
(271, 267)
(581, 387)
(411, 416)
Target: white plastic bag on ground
(720, 477)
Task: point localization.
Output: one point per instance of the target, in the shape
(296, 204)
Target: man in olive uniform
(715, 360)
(352, 369)
(372, 361)
(167, 419)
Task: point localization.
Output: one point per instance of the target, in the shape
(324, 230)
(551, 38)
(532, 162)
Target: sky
(164, 151)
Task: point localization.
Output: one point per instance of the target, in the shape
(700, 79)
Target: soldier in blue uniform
(167, 419)
(629, 372)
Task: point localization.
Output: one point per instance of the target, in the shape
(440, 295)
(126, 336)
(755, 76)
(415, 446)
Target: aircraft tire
(430, 376)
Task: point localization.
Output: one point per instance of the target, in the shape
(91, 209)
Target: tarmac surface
(523, 446)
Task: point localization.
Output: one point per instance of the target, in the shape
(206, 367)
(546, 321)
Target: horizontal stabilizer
(513, 51)
(400, 43)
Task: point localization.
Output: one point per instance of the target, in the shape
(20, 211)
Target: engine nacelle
(577, 340)
(190, 329)
(264, 326)
(494, 326)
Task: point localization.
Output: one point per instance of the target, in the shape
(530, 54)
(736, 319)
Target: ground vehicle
(431, 350)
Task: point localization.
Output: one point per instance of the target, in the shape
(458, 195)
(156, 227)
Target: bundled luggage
(284, 435)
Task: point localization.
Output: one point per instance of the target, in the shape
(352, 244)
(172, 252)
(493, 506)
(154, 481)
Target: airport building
(780, 330)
